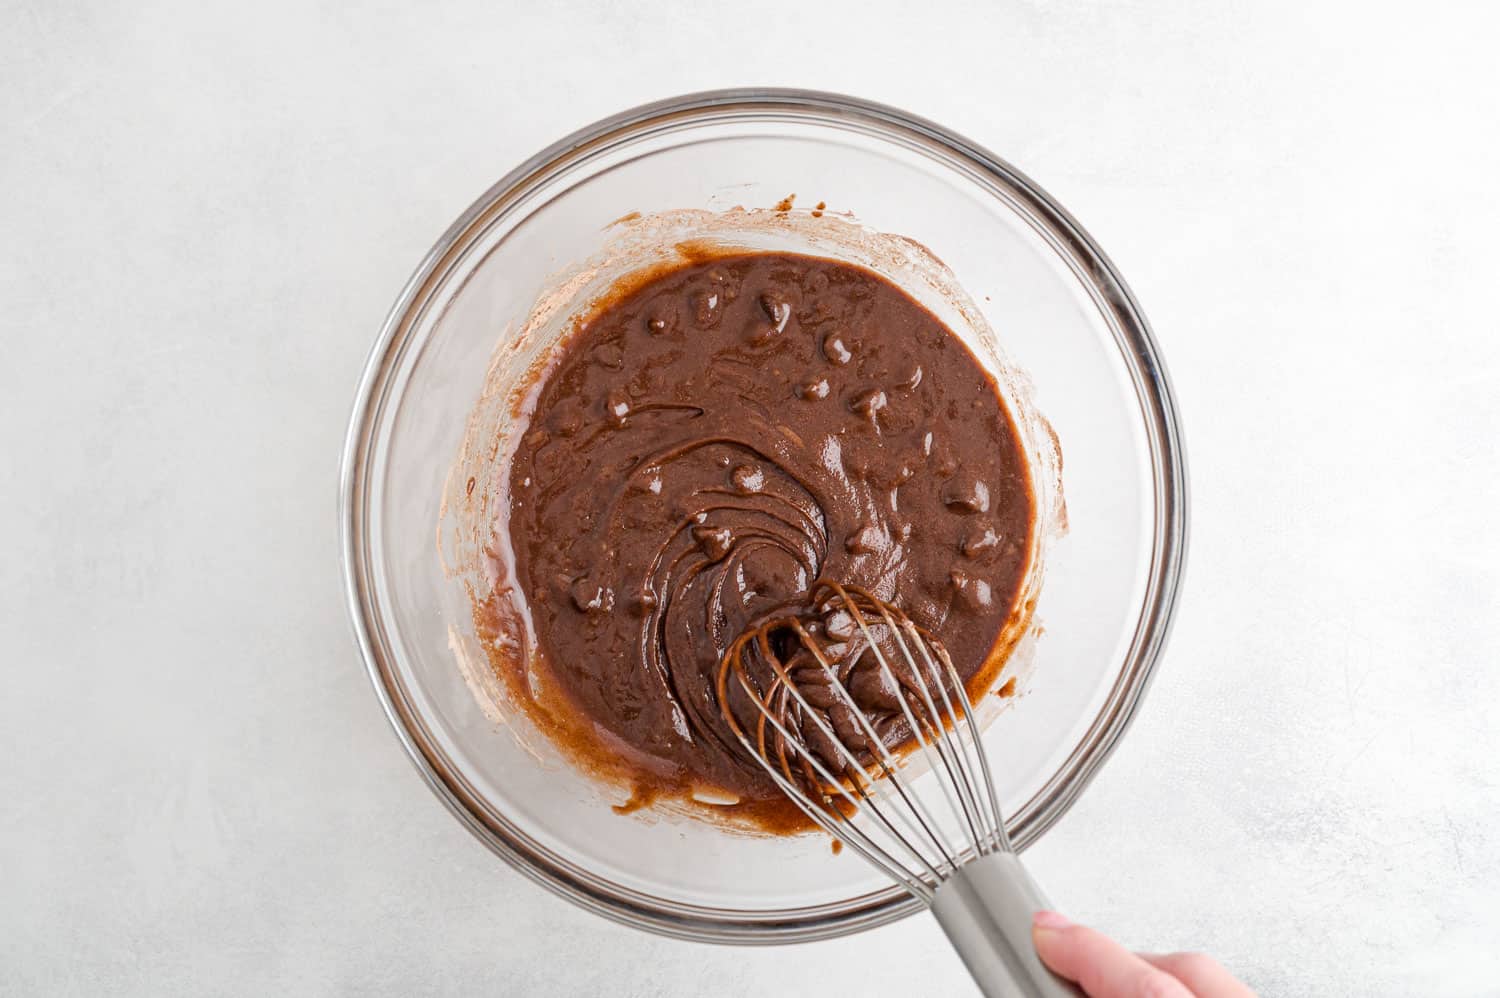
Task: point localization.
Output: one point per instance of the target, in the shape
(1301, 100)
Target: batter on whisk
(706, 445)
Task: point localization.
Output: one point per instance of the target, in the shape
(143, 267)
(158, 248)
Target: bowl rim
(1167, 556)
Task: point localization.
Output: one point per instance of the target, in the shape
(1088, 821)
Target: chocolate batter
(706, 446)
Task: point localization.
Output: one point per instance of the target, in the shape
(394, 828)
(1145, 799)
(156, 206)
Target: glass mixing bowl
(1061, 313)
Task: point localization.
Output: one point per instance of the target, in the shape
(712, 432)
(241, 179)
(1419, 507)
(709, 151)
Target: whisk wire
(826, 779)
(829, 702)
(962, 808)
(888, 763)
(964, 735)
(997, 818)
(869, 803)
(824, 816)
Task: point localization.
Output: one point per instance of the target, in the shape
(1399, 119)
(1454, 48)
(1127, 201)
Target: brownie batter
(710, 443)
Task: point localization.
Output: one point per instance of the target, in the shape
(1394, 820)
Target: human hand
(1105, 969)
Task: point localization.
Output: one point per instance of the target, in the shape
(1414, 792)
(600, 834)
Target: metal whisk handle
(986, 908)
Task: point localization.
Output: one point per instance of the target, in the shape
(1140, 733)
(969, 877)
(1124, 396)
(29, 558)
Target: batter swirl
(704, 448)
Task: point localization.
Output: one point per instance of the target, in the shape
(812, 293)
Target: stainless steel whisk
(942, 838)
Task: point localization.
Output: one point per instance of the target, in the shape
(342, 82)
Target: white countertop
(204, 217)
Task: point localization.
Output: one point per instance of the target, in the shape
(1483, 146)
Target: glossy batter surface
(706, 447)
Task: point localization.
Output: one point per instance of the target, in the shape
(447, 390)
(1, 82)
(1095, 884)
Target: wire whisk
(860, 717)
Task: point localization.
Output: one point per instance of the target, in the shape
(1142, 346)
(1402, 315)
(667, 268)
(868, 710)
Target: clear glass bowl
(1062, 314)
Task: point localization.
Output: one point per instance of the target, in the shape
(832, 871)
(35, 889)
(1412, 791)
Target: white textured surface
(204, 216)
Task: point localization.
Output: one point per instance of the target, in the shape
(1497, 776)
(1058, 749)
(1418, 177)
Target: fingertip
(1050, 934)
(1049, 921)
(1096, 962)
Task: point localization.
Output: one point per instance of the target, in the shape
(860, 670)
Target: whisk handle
(986, 908)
